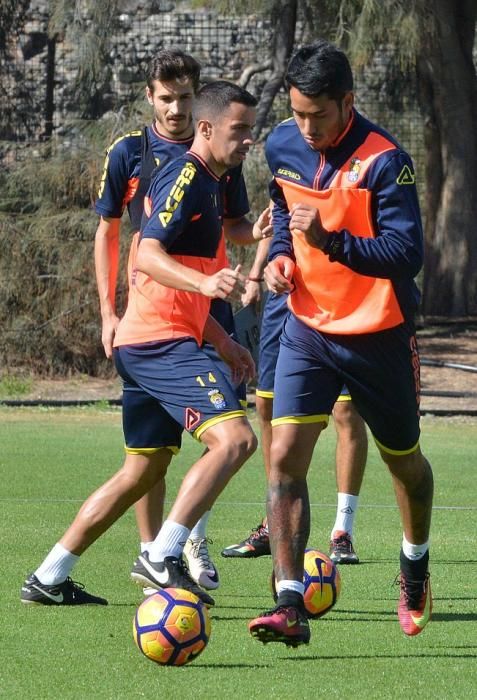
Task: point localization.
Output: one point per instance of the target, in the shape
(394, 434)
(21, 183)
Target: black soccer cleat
(342, 550)
(257, 544)
(68, 592)
(171, 573)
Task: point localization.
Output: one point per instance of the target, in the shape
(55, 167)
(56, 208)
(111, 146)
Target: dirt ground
(457, 388)
(444, 344)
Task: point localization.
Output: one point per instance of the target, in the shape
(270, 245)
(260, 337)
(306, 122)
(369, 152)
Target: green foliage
(356, 651)
(49, 315)
(13, 386)
(90, 24)
(49, 318)
(366, 26)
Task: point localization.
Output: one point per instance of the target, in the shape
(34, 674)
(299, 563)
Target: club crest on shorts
(217, 399)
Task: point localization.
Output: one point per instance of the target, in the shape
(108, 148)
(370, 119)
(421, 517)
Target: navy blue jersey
(186, 212)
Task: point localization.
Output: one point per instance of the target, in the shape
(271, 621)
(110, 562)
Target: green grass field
(52, 459)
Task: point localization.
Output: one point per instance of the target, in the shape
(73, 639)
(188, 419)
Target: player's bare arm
(237, 357)
(154, 261)
(279, 273)
(241, 231)
(307, 219)
(106, 260)
(253, 285)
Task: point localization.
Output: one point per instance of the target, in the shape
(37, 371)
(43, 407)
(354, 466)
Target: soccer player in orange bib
(172, 80)
(169, 382)
(347, 245)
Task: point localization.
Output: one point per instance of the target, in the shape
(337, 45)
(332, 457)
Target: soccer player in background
(171, 83)
(347, 245)
(169, 382)
(352, 439)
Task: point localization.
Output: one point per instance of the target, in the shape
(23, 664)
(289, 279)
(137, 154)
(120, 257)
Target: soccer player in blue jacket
(347, 245)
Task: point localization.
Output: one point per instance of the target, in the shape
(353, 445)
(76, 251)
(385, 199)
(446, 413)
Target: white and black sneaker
(170, 573)
(201, 566)
(68, 592)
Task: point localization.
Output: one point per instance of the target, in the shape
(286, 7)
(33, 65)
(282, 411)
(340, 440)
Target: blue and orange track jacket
(364, 189)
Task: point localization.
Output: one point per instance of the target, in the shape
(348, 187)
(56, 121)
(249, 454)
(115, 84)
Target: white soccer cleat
(201, 566)
(148, 590)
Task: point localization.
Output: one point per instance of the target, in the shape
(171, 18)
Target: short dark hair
(320, 68)
(216, 97)
(173, 64)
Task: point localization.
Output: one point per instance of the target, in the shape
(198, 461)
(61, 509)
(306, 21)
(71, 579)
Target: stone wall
(40, 76)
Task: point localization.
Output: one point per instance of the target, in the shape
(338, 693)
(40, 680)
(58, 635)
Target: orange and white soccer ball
(171, 627)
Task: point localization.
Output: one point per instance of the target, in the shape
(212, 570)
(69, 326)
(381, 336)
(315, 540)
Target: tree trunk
(283, 18)
(448, 97)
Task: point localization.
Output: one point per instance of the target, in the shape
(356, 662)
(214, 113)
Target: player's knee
(246, 443)
(283, 459)
(233, 441)
(348, 421)
(241, 446)
(413, 471)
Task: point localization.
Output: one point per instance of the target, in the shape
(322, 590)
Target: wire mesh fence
(42, 74)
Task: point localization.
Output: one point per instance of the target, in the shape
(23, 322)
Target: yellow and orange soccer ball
(322, 583)
(171, 627)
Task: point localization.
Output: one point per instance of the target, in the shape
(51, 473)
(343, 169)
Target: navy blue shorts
(169, 387)
(275, 312)
(381, 371)
(222, 312)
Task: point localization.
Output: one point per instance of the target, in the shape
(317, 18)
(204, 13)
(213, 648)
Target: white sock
(345, 513)
(169, 542)
(297, 586)
(414, 552)
(57, 565)
(145, 546)
(198, 531)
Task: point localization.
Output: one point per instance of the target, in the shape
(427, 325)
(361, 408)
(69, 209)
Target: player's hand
(223, 283)
(238, 359)
(108, 331)
(279, 273)
(307, 220)
(252, 294)
(263, 227)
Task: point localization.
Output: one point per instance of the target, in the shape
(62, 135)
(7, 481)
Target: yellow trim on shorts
(264, 394)
(396, 452)
(301, 420)
(214, 421)
(150, 450)
(344, 397)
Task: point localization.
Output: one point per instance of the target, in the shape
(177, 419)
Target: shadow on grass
(454, 617)
(354, 657)
(301, 657)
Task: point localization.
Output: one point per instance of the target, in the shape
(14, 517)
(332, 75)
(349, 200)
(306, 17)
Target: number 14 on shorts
(211, 379)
